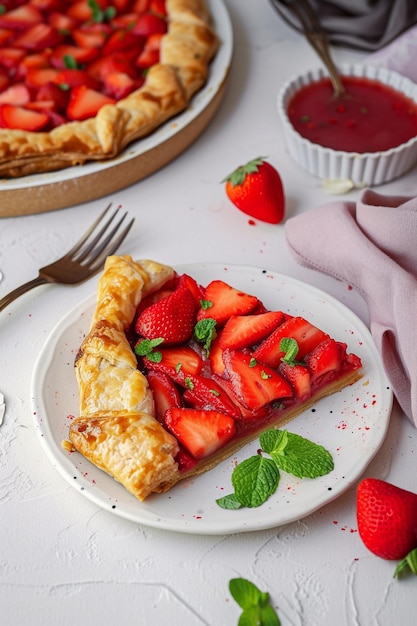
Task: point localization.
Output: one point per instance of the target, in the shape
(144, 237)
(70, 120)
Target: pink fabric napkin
(372, 245)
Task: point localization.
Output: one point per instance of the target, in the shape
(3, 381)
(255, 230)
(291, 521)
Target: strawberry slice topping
(85, 102)
(254, 384)
(221, 301)
(306, 335)
(201, 432)
(210, 387)
(242, 331)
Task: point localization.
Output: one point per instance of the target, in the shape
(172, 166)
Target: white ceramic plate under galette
(351, 424)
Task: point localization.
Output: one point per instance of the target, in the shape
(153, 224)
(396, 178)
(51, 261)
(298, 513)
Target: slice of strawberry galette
(82, 79)
(174, 376)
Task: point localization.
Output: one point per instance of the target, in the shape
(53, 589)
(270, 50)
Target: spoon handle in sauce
(316, 37)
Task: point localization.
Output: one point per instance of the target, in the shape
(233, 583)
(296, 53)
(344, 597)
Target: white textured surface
(63, 560)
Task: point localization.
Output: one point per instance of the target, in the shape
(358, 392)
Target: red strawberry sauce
(372, 117)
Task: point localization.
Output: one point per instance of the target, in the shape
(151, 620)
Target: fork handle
(21, 290)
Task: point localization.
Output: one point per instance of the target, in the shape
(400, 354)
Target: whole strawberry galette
(174, 376)
(82, 79)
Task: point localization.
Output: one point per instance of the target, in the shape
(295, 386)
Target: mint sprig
(289, 345)
(146, 347)
(296, 455)
(257, 478)
(257, 610)
(205, 332)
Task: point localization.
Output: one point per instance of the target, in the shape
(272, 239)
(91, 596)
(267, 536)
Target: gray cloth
(361, 24)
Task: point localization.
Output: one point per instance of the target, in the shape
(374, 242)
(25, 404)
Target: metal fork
(84, 260)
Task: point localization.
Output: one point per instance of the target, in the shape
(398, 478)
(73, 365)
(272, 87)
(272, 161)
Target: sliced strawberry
(5, 36)
(154, 41)
(124, 41)
(75, 78)
(37, 60)
(111, 63)
(184, 280)
(173, 318)
(21, 17)
(141, 6)
(16, 94)
(38, 76)
(11, 57)
(85, 103)
(119, 85)
(53, 93)
(185, 460)
(80, 11)
(164, 391)
(158, 7)
(48, 6)
(148, 24)
(300, 378)
(4, 79)
(62, 22)
(177, 362)
(147, 58)
(325, 358)
(79, 56)
(92, 35)
(221, 301)
(306, 335)
(38, 37)
(18, 117)
(121, 5)
(152, 298)
(253, 383)
(216, 358)
(201, 432)
(205, 393)
(242, 331)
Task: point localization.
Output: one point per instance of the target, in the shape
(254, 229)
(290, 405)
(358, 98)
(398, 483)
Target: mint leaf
(205, 332)
(257, 610)
(245, 593)
(229, 502)
(296, 455)
(288, 345)
(254, 480)
(145, 347)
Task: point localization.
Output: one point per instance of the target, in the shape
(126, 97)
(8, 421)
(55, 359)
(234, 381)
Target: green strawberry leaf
(295, 454)
(254, 480)
(257, 610)
(238, 176)
(407, 565)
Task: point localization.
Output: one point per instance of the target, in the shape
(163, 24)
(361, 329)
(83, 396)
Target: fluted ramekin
(362, 169)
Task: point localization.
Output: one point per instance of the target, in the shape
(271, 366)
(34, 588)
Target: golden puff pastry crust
(117, 430)
(186, 52)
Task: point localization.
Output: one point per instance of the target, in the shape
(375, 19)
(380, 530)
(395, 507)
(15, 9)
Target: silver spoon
(316, 37)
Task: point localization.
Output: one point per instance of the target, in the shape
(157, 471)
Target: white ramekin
(362, 169)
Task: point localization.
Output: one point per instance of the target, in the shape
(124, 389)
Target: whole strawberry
(387, 518)
(256, 189)
(171, 319)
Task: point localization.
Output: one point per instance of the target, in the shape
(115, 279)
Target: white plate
(219, 69)
(351, 424)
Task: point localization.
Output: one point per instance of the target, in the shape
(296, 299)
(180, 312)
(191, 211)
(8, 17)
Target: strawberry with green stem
(387, 522)
(257, 190)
